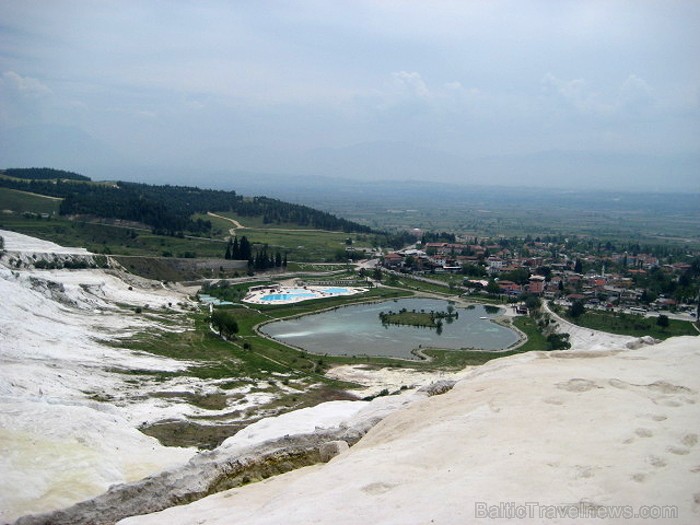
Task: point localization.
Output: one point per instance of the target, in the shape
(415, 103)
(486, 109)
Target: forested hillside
(43, 174)
(166, 209)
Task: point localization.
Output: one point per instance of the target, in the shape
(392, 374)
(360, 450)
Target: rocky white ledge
(557, 437)
(267, 448)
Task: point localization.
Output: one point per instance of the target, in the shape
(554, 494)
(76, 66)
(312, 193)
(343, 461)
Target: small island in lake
(421, 318)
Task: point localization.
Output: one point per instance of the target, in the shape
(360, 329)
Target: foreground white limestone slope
(58, 445)
(264, 449)
(24, 244)
(558, 437)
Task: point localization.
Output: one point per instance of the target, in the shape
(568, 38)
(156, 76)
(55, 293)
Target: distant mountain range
(368, 161)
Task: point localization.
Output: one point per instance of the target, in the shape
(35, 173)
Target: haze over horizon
(559, 94)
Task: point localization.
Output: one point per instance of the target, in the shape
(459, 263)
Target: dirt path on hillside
(237, 225)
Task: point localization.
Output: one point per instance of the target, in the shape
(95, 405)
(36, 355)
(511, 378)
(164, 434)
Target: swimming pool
(293, 295)
(336, 291)
(277, 297)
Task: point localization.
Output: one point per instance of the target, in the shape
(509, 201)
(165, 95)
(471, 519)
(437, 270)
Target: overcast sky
(372, 89)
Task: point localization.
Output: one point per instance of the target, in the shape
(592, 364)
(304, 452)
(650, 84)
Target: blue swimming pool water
(336, 291)
(302, 294)
(287, 296)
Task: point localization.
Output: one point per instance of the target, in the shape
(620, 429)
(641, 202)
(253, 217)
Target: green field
(112, 239)
(306, 245)
(301, 244)
(135, 240)
(535, 339)
(24, 202)
(633, 325)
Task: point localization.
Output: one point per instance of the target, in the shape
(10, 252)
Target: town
(604, 276)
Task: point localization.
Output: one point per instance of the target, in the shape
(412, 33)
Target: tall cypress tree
(235, 250)
(245, 249)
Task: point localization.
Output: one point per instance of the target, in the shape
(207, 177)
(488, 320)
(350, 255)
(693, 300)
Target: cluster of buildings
(542, 269)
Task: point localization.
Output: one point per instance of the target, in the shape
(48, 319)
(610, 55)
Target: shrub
(577, 309)
(224, 322)
(663, 321)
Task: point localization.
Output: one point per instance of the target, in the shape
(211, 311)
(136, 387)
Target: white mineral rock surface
(569, 433)
(57, 445)
(18, 242)
(374, 380)
(303, 421)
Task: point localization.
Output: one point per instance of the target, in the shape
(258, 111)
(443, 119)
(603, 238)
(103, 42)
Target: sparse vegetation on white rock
(59, 441)
(580, 430)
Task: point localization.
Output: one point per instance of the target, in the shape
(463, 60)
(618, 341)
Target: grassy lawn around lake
(535, 339)
(408, 282)
(250, 360)
(440, 359)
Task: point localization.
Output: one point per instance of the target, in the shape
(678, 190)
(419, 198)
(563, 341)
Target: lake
(357, 330)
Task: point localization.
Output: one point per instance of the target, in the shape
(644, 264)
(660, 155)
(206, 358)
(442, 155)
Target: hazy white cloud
(26, 86)
(636, 94)
(196, 80)
(411, 83)
(573, 94)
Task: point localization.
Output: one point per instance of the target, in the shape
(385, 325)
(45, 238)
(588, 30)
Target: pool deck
(298, 294)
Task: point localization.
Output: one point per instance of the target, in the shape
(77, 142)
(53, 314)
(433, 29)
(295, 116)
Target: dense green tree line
(168, 209)
(43, 174)
(238, 250)
(264, 260)
(276, 211)
(438, 237)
